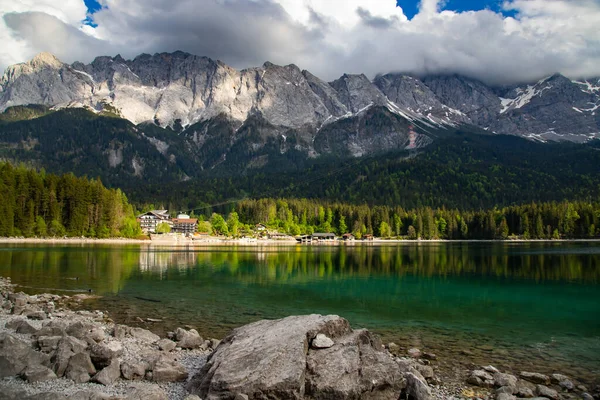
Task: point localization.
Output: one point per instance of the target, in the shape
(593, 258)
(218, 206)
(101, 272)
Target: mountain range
(179, 89)
(174, 117)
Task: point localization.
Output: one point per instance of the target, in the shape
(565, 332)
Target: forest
(34, 203)
(549, 220)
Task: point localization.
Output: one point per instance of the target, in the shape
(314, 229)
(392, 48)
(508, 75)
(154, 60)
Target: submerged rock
(534, 377)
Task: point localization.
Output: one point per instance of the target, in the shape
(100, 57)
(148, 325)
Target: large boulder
(188, 339)
(16, 355)
(275, 359)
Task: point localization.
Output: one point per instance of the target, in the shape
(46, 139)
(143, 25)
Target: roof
(320, 234)
(185, 220)
(156, 213)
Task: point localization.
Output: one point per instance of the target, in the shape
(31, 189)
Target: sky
(496, 41)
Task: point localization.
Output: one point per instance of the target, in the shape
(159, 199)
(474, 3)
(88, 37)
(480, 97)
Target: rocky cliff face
(180, 89)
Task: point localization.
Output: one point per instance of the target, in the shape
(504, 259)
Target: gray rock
(501, 379)
(241, 396)
(80, 330)
(417, 388)
(555, 378)
(90, 395)
(491, 369)
(429, 356)
(120, 331)
(214, 343)
(506, 390)
(26, 328)
(188, 339)
(37, 315)
(414, 353)
(166, 370)
(356, 365)
(566, 385)
(48, 344)
(166, 345)
(545, 391)
(80, 368)
(16, 355)
(103, 355)
(505, 396)
(194, 397)
(425, 370)
(587, 396)
(144, 335)
(134, 371)
(524, 392)
(38, 373)
(321, 342)
(146, 393)
(108, 374)
(535, 377)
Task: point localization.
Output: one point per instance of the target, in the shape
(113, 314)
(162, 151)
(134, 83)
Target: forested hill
(39, 204)
(464, 171)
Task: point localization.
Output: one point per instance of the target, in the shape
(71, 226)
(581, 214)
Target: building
(184, 224)
(316, 237)
(150, 220)
(347, 237)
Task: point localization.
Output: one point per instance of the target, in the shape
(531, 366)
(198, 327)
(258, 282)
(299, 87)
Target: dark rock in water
(354, 367)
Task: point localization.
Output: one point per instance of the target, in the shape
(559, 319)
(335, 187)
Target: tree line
(548, 220)
(36, 204)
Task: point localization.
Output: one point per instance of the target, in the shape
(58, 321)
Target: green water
(521, 304)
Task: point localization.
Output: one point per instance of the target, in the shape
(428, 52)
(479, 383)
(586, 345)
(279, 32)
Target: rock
(80, 368)
(414, 353)
(144, 335)
(37, 315)
(109, 374)
(214, 343)
(393, 348)
(52, 328)
(545, 391)
(26, 328)
(16, 355)
(193, 397)
(80, 330)
(188, 339)
(566, 385)
(146, 393)
(166, 345)
(506, 390)
(466, 352)
(535, 377)
(429, 356)
(417, 388)
(241, 396)
(166, 370)
(555, 378)
(501, 379)
(289, 368)
(491, 369)
(321, 342)
(48, 344)
(134, 371)
(96, 335)
(103, 355)
(120, 331)
(90, 395)
(505, 396)
(38, 373)
(587, 396)
(524, 392)
(425, 370)
(481, 378)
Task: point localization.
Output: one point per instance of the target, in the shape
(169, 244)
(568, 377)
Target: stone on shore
(501, 379)
(143, 335)
(109, 374)
(102, 355)
(16, 355)
(321, 342)
(354, 367)
(166, 345)
(80, 367)
(481, 378)
(188, 339)
(21, 326)
(146, 393)
(534, 377)
(167, 369)
(38, 373)
(134, 371)
(417, 388)
(545, 391)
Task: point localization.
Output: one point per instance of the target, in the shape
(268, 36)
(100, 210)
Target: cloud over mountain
(327, 37)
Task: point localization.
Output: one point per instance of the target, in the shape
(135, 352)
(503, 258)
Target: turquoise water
(513, 303)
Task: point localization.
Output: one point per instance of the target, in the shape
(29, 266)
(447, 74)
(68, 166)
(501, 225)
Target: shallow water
(519, 305)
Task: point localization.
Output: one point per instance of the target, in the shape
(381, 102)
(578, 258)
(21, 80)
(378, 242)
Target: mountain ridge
(172, 89)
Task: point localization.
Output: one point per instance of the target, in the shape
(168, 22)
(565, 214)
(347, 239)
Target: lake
(532, 305)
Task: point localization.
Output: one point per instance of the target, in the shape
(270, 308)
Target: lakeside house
(151, 219)
(316, 237)
(347, 237)
(184, 224)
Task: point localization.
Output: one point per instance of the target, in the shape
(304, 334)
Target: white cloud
(328, 37)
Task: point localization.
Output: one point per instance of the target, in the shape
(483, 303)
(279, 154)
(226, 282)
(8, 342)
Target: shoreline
(24, 317)
(216, 241)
